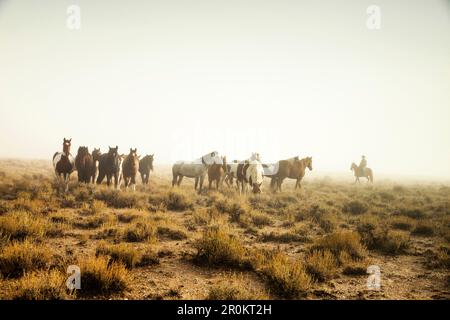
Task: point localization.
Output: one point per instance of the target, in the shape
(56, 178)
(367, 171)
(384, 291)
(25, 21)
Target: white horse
(196, 169)
(239, 170)
(255, 176)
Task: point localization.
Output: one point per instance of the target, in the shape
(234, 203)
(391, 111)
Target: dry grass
(39, 285)
(218, 248)
(19, 225)
(142, 230)
(17, 258)
(127, 254)
(293, 244)
(321, 265)
(101, 276)
(286, 277)
(235, 287)
(341, 242)
(376, 236)
(178, 201)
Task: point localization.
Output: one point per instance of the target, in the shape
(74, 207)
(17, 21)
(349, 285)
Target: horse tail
(371, 176)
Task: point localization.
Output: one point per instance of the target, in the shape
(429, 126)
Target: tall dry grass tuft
(235, 287)
(286, 277)
(218, 248)
(341, 241)
(102, 276)
(127, 254)
(17, 258)
(39, 285)
(20, 225)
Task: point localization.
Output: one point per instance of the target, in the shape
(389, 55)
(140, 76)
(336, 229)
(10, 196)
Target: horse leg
(66, 182)
(174, 180)
(133, 182)
(202, 178)
(279, 182)
(180, 178)
(101, 176)
(196, 183)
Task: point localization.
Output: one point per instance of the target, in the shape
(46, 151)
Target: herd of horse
(249, 173)
(93, 168)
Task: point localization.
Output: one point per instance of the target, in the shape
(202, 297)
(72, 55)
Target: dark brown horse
(84, 164)
(145, 166)
(130, 168)
(217, 173)
(96, 154)
(110, 165)
(293, 168)
(64, 164)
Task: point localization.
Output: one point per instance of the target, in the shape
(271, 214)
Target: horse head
(255, 176)
(133, 156)
(211, 158)
(149, 161)
(96, 154)
(82, 151)
(113, 151)
(66, 145)
(353, 166)
(309, 163)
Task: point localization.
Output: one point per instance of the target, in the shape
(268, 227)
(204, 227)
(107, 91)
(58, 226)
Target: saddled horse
(110, 165)
(368, 173)
(293, 168)
(196, 169)
(130, 168)
(217, 173)
(84, 164)
(145, 166)
(64, 164)
(96, 154)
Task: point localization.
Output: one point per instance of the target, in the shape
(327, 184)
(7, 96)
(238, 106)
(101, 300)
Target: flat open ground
(164, 243)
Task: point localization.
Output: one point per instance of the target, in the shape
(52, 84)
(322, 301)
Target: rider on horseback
(363, 165)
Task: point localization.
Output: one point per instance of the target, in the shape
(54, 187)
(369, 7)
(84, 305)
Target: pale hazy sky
(180, 78)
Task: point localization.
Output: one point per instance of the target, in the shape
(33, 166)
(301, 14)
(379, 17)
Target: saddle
(362, 172)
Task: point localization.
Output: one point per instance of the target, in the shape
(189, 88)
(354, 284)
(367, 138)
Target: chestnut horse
(84, 164)
(64, 164)
(292, 168)
(130, 168)
(368, 173)
(217, 173)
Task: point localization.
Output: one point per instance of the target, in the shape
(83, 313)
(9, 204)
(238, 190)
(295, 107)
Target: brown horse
(368, 173)
(64, 164)
(145, 166)
(130, 168)
(84, 164)
(292, 168)
(217, 173)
